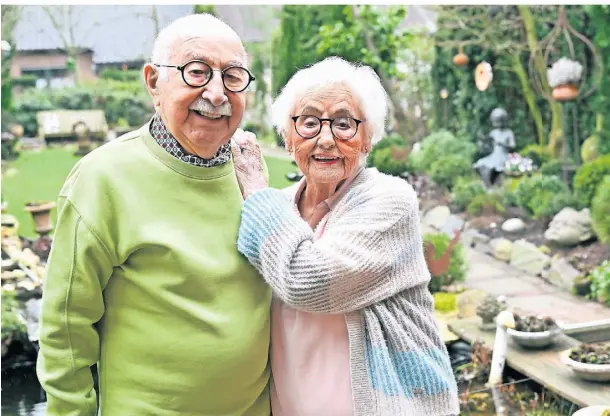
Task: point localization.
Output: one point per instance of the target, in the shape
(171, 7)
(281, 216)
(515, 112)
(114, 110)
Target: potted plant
(488, 309)
(589, 362)
(41, 213)
(563, 78)
(534, 332)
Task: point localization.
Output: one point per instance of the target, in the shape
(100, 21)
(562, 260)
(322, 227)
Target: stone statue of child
(490, 166)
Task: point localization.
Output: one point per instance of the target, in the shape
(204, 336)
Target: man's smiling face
(179, 105)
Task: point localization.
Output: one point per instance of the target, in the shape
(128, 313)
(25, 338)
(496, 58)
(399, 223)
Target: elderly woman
(352, 325)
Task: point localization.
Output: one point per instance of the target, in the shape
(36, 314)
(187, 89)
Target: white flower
(564, 71)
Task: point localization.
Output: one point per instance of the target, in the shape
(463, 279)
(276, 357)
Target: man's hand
(248, 162)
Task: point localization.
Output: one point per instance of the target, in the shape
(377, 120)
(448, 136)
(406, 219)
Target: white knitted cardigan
(369, 265)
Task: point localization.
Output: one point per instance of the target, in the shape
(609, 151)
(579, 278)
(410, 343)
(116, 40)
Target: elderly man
(144, 277)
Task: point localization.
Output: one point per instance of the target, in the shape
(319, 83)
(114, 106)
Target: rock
(452, 224)
(32, 318)
(502, 248)
(527, 257)
(561, 273)
(468, 301)
(570, 227)
(472, 237)
(513, 225)
(437, 216)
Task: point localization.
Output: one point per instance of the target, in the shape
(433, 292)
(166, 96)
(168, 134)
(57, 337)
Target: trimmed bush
(465, 190)
(447, 169)
(544, 196)
(589, 176)
(600, 211)
(486, 203)
(539, 154)
(552, 167)
(390, 155)
(600, 283)
(437, 145)
(457, 264)
(119, 100)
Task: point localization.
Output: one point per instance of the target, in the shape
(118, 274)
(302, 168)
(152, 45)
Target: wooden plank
(542, 366)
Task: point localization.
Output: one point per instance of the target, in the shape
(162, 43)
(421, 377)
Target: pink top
(309, 351)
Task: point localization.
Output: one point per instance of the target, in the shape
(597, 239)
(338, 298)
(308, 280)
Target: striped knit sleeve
(370, 253)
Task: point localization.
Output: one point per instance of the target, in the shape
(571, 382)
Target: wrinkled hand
(248, 162)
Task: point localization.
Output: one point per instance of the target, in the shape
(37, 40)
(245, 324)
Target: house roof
(125, 33)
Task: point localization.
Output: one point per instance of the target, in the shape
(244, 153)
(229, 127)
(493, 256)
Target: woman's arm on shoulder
(371, 252)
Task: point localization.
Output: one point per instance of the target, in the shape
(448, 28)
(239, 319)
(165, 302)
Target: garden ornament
(490, 166)
(483, 75)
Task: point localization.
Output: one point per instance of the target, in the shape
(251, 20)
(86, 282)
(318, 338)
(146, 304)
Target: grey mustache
(207, 107)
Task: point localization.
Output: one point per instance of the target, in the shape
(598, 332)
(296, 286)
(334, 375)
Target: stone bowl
(586, 371)
(535, 339)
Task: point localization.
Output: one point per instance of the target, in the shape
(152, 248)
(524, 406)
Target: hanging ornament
(483, 75)
(461, 58)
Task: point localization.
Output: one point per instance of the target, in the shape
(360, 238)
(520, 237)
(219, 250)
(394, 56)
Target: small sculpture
(490, 166)
(488, 309)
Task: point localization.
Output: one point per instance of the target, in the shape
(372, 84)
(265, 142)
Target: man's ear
(151, 79)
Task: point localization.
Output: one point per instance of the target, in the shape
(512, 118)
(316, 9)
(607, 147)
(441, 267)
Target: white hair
(191, 26)
(360, 79)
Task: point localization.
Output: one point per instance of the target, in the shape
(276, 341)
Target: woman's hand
(248, 162)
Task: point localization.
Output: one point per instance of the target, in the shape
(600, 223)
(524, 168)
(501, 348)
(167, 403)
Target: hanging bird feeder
(461, 58)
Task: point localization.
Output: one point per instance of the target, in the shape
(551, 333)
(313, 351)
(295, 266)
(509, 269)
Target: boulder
(502, 248)
(468, 301)
(437, 217)
(472, 237)
(527, 257)
(561, 273)
(570, 227)
(513, 225)
(452, 224)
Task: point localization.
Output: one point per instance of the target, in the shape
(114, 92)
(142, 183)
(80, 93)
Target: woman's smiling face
(324, 158)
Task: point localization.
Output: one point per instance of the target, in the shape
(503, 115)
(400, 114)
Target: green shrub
(600, 211)
(457, 265)
(445, 302)
(544, 196)
(589, 176)
(552, 167)
(127, 100)
(390, 155)
(437, 145)
(447, 169)
(12, 324)
(539, 154)
(600, 282)
(465, 190)
(120, 75)
(488, 202)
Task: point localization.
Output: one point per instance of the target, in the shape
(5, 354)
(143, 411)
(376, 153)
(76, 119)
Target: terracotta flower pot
(565, 92)
(41, 213)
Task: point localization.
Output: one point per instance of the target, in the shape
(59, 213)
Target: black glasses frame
(322, 120)
(222, 72)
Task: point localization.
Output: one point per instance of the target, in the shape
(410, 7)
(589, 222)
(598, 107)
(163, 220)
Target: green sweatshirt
(144, 276)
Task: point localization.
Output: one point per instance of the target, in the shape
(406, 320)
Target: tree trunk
(556, 136)
(529, 97)
(402, 119)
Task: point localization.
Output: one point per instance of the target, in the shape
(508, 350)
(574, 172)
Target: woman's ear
(151, 79)
(287, 142)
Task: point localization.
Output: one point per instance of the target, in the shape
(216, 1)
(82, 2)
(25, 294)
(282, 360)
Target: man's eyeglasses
(197, 74)
(343, 128)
